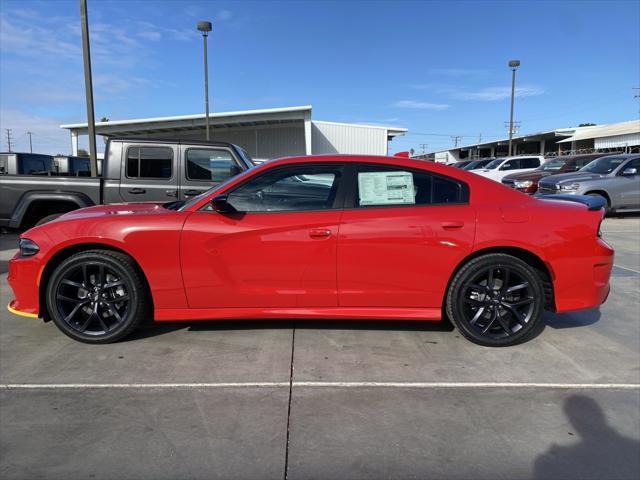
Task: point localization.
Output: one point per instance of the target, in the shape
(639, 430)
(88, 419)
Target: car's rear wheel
(496, 300)
(97, 296)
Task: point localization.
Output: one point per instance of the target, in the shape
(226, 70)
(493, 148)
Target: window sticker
(386, 188)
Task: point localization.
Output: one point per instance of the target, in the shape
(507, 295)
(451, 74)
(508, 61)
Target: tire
(97, 296)
(48, 218)
(607, 203)
(508, 313)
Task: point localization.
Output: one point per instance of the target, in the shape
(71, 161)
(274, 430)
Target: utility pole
(88, 87)
(455, 139)
(8, 130)
(30, 144)
(480, 138)
(424, 147)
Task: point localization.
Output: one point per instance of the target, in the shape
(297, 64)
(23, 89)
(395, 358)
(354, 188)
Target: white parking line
(626, 268)
(79, 386)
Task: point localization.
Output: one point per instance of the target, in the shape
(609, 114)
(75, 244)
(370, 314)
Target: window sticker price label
(386, 188)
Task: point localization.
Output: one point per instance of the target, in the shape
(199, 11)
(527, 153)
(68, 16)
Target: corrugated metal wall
(327, 137)
(261, 142)
(629, 140)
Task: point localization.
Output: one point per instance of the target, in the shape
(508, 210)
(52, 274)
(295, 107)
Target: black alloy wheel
(496, 300)
(97, 296)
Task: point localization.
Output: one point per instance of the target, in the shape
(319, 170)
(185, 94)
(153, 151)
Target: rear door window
(149, 162)
(387, 186)
(529, 162)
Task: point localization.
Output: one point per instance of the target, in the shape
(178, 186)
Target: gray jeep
(616, 178)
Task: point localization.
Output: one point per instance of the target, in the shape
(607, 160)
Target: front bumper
(24, 279)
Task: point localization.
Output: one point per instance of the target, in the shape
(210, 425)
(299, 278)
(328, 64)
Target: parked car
(615, 178)
(135, 170)
(25, 164)
(461, 163)
(527, 182)
(476, 164)
(503, 166)
(332, 236)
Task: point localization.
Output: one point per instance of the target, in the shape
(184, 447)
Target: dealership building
(624, 136)
(264, 134)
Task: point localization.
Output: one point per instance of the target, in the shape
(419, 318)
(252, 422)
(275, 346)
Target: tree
(587, 125)
(82, 152)
(104, 119)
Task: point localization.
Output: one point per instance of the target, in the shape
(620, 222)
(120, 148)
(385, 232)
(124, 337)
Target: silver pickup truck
(134, 170)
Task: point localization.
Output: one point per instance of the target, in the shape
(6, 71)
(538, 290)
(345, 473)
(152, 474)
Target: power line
(8, 130)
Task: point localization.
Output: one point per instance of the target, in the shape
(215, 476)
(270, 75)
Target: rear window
(380, 186)
(149, 162)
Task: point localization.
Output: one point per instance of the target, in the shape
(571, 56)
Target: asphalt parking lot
(274, 399)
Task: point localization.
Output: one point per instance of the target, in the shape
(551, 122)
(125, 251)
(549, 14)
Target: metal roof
(600, 131)
(200, 116)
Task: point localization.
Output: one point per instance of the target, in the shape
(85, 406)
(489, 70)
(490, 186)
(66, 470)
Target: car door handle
(320, 233)
(171, 193)
(192, 192)
(452, 225)
(136, 191)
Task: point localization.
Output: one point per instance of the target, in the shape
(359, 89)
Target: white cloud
(420, 105)
(493, 94)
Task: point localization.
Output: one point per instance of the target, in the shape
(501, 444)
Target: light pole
(205, 28)
(513, 65)
(88, 87)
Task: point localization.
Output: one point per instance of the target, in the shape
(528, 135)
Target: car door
(627, 187)
(403, 231)
(204, 167)
(278, 249)
(148, 173)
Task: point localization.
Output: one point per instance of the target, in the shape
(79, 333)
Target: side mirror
(629, 172)
(220, 204)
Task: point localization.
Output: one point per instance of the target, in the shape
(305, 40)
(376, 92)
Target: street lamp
(513, 65)
(205, 28)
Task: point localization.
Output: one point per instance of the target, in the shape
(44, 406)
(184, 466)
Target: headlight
(570, 187)
(28, 248)
(523, 184)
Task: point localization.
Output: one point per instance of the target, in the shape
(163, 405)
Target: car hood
(572, 177)
(115, 209)
(532, 175)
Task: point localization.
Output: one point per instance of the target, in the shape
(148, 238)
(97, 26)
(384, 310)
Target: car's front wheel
(496, 300)
(97, 296)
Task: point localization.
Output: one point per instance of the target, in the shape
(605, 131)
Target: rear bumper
(587, 285)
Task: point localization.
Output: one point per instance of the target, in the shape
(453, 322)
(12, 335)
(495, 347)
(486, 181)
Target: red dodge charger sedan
(321, 236)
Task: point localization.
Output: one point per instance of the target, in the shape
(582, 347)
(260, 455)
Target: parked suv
(527, 182)
(501, 167)
(615, 177)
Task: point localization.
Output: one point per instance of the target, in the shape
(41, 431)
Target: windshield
(603, 165)
(494, 164)
(555, 164)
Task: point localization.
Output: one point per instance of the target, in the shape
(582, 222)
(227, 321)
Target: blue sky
(436, 68)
